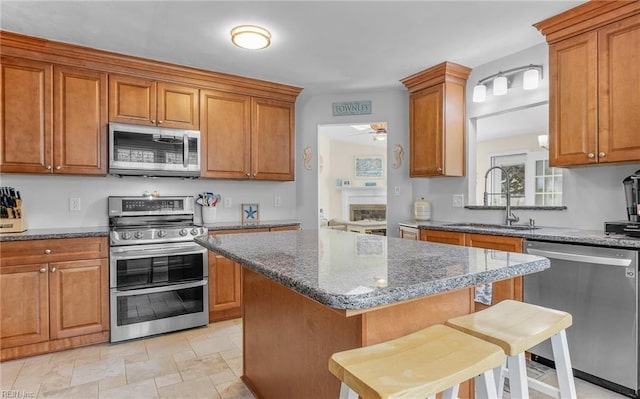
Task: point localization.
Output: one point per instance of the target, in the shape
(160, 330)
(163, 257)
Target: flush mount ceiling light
(250, 37)
(500, 81)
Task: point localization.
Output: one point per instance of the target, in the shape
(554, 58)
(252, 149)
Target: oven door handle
(131, 254)
(164, 288)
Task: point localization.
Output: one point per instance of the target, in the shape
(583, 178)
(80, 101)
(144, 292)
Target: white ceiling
(320, 46)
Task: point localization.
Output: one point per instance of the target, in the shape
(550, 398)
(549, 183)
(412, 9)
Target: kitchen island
(310, 293)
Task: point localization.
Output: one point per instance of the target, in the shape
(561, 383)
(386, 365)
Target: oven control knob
(194, 232)
(125, 235)
(138, 235)
(162, 233)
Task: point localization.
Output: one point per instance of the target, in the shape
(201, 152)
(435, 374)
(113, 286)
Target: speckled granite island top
(346, 270)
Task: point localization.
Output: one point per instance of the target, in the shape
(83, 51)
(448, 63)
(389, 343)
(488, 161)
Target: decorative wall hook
(398, 156)
(306, 157)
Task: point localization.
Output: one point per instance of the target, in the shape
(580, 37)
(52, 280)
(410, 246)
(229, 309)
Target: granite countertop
(553, 234)
(260, 225)
(103, 231)
(61, 232)
(346, 270)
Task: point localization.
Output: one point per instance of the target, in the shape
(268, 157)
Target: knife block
(14, 225)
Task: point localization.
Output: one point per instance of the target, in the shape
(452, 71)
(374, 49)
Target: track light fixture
(500, 81)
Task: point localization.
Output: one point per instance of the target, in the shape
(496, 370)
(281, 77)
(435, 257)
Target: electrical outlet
(227, 202)
(74, 204)
(396, 191)
(457, 200)
(277, 202)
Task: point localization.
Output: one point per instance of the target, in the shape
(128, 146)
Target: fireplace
(367, 212)
(369, 202)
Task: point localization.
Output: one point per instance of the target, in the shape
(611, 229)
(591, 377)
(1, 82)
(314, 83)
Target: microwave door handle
(185, 150)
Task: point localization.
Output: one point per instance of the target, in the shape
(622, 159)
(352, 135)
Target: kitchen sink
(493, 226)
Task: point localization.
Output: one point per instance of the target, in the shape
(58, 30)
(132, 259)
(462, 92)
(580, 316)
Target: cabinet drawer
(56, 250)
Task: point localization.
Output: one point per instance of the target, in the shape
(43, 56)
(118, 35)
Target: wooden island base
(288, 338)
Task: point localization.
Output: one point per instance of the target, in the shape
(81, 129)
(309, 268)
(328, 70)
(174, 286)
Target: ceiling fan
(378, 130)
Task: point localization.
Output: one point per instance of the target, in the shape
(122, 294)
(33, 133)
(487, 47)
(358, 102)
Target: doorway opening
(352, 177)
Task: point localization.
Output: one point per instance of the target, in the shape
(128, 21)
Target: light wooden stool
(517, 327)
(418, 365)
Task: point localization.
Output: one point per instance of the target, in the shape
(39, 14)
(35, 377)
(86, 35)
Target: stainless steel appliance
(599, 287)
(631, 227)
(632, 195)
(153, 151)
(158, 276)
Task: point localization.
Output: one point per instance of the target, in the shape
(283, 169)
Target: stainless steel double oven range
(158, 276)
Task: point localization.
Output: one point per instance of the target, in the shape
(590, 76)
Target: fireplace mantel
(361, 195)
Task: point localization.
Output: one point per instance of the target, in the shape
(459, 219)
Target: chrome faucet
(509, 216)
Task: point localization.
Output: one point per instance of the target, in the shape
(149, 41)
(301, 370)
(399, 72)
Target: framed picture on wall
(250, 213)
(369, 167)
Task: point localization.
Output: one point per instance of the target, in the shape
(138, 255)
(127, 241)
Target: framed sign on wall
(369, 167)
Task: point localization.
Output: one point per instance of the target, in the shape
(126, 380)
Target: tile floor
(199, 363)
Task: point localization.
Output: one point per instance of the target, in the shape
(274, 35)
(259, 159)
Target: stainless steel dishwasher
(599, 287)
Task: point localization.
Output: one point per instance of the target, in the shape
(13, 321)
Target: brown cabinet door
(426, 132)
(54, 250)
(80, 117)
(132, 100)
(443, 237)
(78, 297)
(572, 101)
(24, 305)
(178, 106)
(272, 140)
(225, 120)
(505, 289)
(225, 281)
(619, 91)
(26, 129)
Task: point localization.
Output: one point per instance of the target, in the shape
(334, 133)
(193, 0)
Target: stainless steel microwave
(153, 151)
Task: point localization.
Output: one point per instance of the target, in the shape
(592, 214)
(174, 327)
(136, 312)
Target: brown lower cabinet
(225, 279)
(505, 289)
(54, 295)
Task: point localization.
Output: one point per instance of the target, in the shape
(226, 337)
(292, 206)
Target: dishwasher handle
(581, 258)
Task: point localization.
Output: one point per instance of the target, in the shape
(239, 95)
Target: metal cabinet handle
(47, 251)
(159, 122)
(602, 154)
(53, 270)
(58, 167)
(248, 174)
(43, 270)
(153, 121)
(591, 155)
(48, 167)
(439, 169)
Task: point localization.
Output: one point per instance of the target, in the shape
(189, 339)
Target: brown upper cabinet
(147, 102)
(54, 118)
(56, 100)
(594, 88)
(436, 120)
(246, 137)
